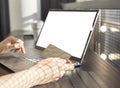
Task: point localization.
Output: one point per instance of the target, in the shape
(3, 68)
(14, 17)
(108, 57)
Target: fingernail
(68, 62)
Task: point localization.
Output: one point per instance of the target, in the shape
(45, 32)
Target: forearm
(45, 71)
(23, 79)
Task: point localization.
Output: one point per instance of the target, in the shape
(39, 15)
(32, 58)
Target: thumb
(69, 66)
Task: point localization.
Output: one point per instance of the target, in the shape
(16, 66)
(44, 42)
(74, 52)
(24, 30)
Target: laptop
(67, 33)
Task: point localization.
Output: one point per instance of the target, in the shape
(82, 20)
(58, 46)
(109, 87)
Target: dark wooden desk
(94, 73)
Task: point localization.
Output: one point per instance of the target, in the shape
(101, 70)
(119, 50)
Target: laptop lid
(68, 30)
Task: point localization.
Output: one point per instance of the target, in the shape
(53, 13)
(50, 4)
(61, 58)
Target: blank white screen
(67, 30)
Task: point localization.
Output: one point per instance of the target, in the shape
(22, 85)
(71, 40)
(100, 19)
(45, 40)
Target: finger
(68, 62)
(68, 66)
(12, 46)
(18, 47)
(17, 50)
(57, 79)
(58, 72)
(23, 49)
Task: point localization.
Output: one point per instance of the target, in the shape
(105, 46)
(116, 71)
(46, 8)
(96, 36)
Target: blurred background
(27, 15)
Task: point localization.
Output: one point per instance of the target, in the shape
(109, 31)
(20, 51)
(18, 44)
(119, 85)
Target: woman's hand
(11, 43)
(52, 69)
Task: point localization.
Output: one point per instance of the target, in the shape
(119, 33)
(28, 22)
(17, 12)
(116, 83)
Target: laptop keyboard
(31, 54)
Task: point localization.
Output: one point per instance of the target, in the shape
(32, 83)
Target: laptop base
(53, 51)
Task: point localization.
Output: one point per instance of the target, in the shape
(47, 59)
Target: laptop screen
(67, 30)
